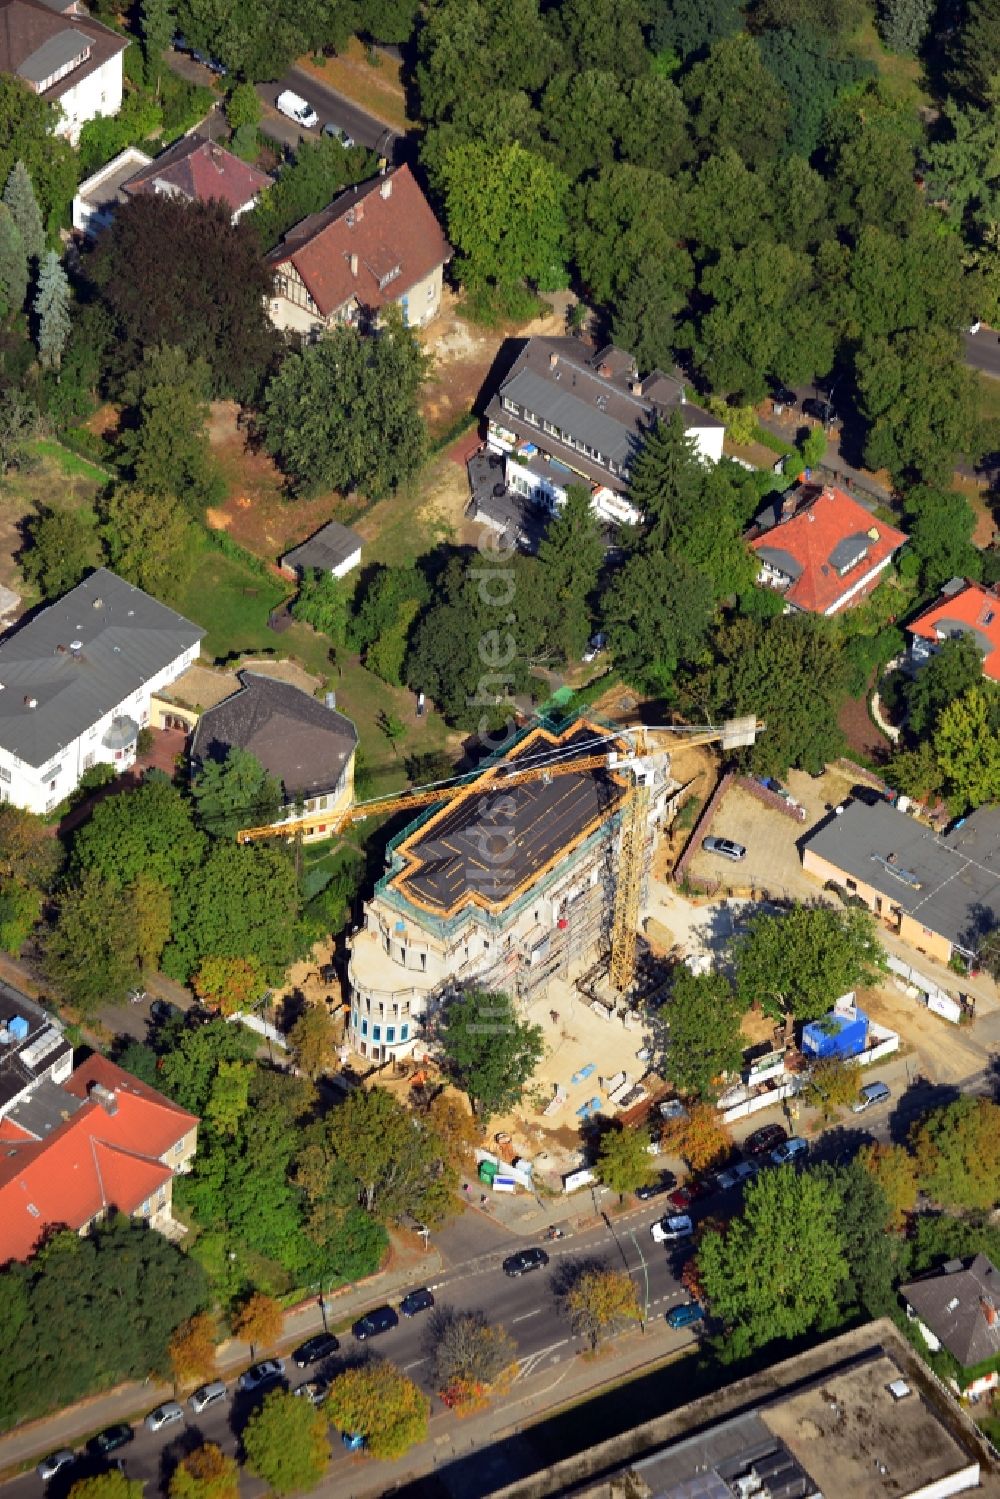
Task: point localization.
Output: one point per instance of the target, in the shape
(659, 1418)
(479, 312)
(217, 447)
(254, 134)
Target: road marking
(525, 1315)
(414, 1365)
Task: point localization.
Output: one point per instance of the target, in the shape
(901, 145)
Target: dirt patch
(463, 356)
(258, 513)
(377, 87)
(975, 491)
(863, 738)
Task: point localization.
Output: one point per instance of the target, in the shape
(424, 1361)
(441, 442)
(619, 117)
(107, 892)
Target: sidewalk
(129, 1402)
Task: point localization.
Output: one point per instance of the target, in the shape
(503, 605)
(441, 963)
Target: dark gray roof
(949, 883)
(576, 417)
(296, 738)
(79, 658)
(710, 1464)
(57, 52)
(957, 1306)
(45, 1108)
(778, 558)
(849, 549)
(328, 548)
(20, 1059)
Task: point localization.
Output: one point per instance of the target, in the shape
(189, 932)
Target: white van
(297, 109)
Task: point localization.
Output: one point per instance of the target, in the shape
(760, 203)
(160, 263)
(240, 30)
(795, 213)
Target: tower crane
(606, 754)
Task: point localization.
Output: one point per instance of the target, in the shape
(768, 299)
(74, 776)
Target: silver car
(206, 1395)
(51, 1465)
(167, 1414)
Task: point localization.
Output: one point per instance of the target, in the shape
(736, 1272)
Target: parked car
(259, 1374)
(206, 1395)
(524, 1261)
(353, 1441)
(670, 1230)
(688, 1314)
(975, 327)
(54, 1463)
(672, 1108)
(723, 1180)
(347, 141)
(372, 1323)
(666, 1180)
(296, 108)
(315, 1349)
(595, 646)
(792, 1150)
(161, 1010)
(871, 1094)
(822, 410)
(110, 1439)
(681, 1199)
(745, 1171)
(416, 1301)
(725, 848)
(167, 1414)
(314, 1390)
(765, 1139)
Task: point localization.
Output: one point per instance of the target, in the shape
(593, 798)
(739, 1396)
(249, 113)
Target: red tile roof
(95, 1160)
(200, 170)
(816, 546)
(972, 610)
(387, 223)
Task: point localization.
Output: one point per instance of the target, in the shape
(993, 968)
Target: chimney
(989, 1311)
(31, 702)
(354, 265)
(788, 504)
(359, 210)
(604, 371)
(386, 188)
(553, 360)
(104, 1096)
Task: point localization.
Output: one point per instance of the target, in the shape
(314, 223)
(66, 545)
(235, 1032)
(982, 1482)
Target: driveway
(332, 108)
(982, 351)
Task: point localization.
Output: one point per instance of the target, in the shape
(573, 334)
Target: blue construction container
(836, 1035)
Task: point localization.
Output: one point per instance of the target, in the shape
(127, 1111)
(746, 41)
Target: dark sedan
(524, 1261)
(110, 1439)
(416, 1301)
(314, 1350)
(380, 1320)
(765, 1139)
(654, 1189)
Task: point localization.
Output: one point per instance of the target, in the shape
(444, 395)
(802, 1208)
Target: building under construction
(508, 885)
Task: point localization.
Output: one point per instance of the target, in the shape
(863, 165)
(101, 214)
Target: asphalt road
(528, 1307)
(982, 351)
(332, 108)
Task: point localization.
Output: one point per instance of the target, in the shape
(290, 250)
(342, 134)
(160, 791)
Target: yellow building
(940, 893)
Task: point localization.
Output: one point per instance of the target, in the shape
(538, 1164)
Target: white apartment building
(58, 51)
(76, 683)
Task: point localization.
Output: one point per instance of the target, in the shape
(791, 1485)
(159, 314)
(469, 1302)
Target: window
(88, 761)
(354, 1020)
(376, 1033)
(423, 961)
(852, 885)
(390, 1034)
(364, 1027)
(404, 1032)
(4, 774)
(52, 774)
(179, 1148)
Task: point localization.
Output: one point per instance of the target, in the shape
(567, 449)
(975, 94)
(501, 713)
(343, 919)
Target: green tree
(313, 1041)
(29, 855)
(150, 539)
(157, 20)
(977, 51)
(623, 1160)
(489, 1050)
(28, 135)
(953, 669)
(51, 309)
(778, 1269)
(62, 548)
(657, 612)
(242, 902)
(833, 1085)
(322, 603)
(148, 831)
(188, 1068)
(319, 171)
(940, 524)
(601, 1301)
(286, 1443)
(235, 792)
(498, 253)
(375, 1400)
(343, 412)
(18, 425)
(957, 1150)
(685, 27)
(91, 952)
(705, 1039)
(20, 912)
(164, 443)
(13, 265)
(19, 196)
(110, 1485)
(626, 223)
(735, 102)
(920, 403)
(877, 1259)
(570, 557)
(205, 1473)
(397, 1162)
(243, 107)
(798, 963)
(967, 748)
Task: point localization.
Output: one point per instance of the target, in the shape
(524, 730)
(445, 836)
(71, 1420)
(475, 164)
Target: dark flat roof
(484, 847)
(330, 546)
(950, 883)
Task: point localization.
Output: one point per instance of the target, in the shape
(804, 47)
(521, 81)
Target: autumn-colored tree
(377, 1401)
(192, 1350)
(473, 1360)
(832, 1085)
(691, 1280)
(895, 1170)
(312, 1040)
(450, 1117)
(958, 1153)
(599, 1301)
(152, 920)
(28, 852)
(206, 1473)
(109, 1485)
(228, 984)
(259, 1321)
(702, 1138)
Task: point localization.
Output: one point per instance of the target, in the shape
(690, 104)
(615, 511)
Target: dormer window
(389, 276)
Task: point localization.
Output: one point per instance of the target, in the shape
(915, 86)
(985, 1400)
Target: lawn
(376, 86)
(53, 475)
(68, 462)
(231, 601)
(903, 75)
